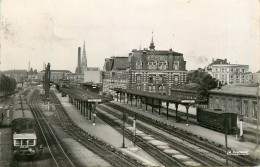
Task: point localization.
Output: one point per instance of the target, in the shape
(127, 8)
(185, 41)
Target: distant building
(82, 61)
(254, 77)
(156, 71)
(238, 99)
(75, 78)
(189, 92)
(56, 75)
(231, 73)
(93, 75)
(115, 73)
(228, 73)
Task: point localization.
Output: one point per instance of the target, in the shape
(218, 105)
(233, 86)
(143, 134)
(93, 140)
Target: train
(23, 129)
(217, 119)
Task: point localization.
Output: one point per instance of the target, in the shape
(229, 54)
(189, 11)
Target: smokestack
(79, 57)
(29, 66)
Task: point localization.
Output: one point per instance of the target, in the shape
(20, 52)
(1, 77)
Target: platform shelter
(152, 99)
(85, 101)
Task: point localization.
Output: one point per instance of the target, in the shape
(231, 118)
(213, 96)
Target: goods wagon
(217, 119)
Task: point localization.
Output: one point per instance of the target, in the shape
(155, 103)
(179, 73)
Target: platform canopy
(150, 95)
(84, 95)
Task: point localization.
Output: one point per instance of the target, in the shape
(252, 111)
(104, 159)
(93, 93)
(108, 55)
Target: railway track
(105, 151)
(242, 160)
(180, 148)
(57, 151)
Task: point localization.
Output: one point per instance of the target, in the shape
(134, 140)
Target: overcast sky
(51, 31)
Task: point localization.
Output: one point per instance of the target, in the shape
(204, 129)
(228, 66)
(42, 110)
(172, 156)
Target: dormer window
(139, 64)
(176, 65)
(163, 65)
(152, 64)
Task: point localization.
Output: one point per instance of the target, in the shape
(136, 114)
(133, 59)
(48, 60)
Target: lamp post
(124, 118)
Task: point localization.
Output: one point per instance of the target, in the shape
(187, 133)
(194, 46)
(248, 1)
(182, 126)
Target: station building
(156, 70)
(238, 99)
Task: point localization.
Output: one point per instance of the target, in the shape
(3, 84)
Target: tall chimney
(79, 57)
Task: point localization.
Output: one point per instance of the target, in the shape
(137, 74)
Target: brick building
(156, 70)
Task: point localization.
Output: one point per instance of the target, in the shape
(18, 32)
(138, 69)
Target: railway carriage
(217, 119)
(24, 136)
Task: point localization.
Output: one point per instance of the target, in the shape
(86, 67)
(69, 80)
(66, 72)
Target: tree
(7, 84)
(31, 71)
(35, 72)
(205, 81)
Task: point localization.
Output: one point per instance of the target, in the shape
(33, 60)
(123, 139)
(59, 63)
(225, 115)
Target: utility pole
(226, 124)
(257, 117)
(134, 128)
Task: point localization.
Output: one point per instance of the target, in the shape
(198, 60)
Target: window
(163, 65)
(230, 104)
(138, 87)
(176, 79)
(152, 78)
(162, 89)
(254, 109)
(138, 78)
(176, 65)
(217, 103)
(139, 64)
(223, 70)
(227, 69)
(152, 64)
(231, 70)
(151, 88)
(223, 104)
(245, 108)
(243, 70)
(238, 105)
(162, 79)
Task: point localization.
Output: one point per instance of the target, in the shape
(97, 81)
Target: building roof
(60, 71)
(157, 52)
(235, 90)
(191, 87)
(218, 61)
(234, 65)
(93, 69)
(116, 63)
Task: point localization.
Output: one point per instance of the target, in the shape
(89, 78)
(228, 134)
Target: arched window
(176, 65)
(139, 64)
(163, 65)
(152, 64)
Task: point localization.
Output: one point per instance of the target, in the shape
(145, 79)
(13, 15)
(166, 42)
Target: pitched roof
(120, 63)
(93, 69)
(191, 87)
(61, 71)
(157, 52)
(236, 90)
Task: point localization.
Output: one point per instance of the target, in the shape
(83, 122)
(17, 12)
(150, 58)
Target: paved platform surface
(211, 135)
(106, 133)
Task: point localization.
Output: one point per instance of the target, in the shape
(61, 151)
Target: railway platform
(106, 133)
(205, 133)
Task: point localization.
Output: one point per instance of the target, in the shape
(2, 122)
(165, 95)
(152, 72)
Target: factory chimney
(79, 57)
(78, 69)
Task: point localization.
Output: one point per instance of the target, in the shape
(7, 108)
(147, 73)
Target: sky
(51, 31)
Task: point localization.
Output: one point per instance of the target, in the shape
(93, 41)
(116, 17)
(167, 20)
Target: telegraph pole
(257, 117)
(47, 83)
